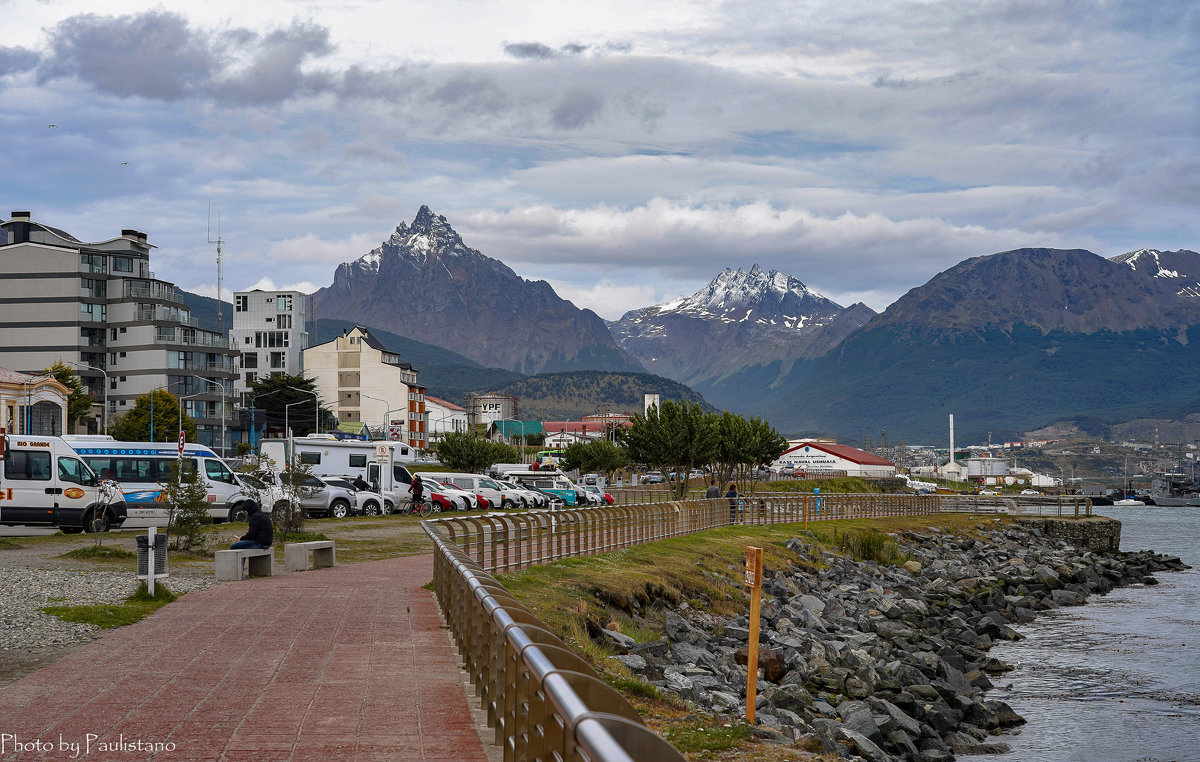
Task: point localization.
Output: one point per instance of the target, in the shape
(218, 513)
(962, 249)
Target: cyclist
(417, 489)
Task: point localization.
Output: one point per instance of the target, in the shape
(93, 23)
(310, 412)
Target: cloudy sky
(624, 151)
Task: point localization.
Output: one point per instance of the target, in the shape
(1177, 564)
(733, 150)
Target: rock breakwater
(879, 661)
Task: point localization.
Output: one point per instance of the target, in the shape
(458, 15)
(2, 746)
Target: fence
(543, 700)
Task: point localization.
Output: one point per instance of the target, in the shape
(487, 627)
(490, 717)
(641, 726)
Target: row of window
(278, 361)
(283, 302)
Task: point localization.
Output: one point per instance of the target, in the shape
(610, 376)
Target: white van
(552, 482)
(483, 486)
(143, 469)
(379, 463)
(44, 482)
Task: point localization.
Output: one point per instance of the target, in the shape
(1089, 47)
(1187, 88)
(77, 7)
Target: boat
(1129, 500)
(1174, 490)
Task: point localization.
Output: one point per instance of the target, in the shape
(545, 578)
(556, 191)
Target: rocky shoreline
(878, 661)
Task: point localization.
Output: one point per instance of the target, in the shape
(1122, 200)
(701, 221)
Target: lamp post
(287, 431)
(223, 409)
(102, 370)
(181, 399)
(316, 406)
(252, 398)
(387, 419)
(152, 391)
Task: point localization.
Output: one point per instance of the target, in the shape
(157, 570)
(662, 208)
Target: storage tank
(484, 409)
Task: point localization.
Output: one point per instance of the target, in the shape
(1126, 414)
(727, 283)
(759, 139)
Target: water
(1118, 678)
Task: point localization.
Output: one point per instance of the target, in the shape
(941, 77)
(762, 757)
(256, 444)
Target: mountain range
(1008, 342)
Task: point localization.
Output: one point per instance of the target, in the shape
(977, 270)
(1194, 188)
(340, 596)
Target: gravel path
(24, 592)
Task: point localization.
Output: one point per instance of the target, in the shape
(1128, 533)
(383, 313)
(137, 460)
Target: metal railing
(543, 700)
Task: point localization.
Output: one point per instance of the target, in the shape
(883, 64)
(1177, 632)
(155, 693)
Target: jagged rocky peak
(429, 235)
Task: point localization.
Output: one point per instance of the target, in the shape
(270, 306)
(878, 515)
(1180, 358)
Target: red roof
(845, 452)
(580, 427)
(443, 403)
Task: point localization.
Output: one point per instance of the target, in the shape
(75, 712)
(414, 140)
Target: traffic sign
(182, 441)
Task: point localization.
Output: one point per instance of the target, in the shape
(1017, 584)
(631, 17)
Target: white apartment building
(364, 382)
(271, 330)
(98, 307)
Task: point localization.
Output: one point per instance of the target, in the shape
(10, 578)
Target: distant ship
(1173, 490)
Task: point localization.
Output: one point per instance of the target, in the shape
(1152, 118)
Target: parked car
(589, 479)
(655, 477)
(583, 497)
(324, 500)
(601, 497)
(462, 500)
(528, 498)
(1030, 492)
(366, 502)
(988, 492)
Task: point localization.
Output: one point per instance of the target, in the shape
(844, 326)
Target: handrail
(543, 700)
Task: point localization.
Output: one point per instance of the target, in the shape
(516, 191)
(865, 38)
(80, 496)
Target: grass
(700, 734)
(100, 553)
(107, 616)
(8, 542)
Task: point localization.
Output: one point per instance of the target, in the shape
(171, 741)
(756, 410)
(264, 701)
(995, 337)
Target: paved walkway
(349, 663)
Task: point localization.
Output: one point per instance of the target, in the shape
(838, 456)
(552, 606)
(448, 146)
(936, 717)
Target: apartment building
(271, 330)
(363, 381)
(98, 307)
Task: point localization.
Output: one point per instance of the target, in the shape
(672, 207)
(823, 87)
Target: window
(310, 458)
(251, 378)
(278, 360)
(27, 466)
(358, 461)
(94, 263)
(122, 264)
(241, 303)
(271, 339)
(95, 289)
(283, 302)
(94, 312)
(71, 470)
(217, 471)
(283, 321)
(248, 340)
(250, 361)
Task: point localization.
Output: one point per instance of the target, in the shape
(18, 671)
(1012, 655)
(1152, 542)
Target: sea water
(1117, 678)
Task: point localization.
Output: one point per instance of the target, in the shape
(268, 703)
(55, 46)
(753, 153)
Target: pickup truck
(45, 483)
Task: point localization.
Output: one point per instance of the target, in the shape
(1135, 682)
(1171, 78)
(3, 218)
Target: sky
(625, 152)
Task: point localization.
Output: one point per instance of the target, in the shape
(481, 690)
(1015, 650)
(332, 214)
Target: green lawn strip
(627, 590)
(107, 616)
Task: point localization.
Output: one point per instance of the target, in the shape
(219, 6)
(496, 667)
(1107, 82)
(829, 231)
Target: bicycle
(420, 506)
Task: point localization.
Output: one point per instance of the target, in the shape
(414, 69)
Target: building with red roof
(823, 456)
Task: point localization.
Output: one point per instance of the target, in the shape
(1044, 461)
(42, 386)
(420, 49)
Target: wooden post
(754, 560)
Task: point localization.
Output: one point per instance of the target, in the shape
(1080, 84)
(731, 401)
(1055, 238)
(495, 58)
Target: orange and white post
(754, 574)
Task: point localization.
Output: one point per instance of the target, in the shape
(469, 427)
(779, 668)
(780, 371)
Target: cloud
(529, 51)
(160, 55)
(608, 298)
(16, 60)
(577, 109)
(153, 55)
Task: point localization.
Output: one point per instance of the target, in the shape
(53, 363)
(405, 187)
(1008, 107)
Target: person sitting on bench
(261, 535)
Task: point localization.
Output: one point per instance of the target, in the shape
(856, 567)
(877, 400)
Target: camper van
(44, 482)
(143, 468)
(380, 463)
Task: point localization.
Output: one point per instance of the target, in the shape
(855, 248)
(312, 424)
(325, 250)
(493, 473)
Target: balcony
(164, 291)
(169, 315)
(170, 336)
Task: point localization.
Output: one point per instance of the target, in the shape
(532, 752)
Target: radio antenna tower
(218, 242)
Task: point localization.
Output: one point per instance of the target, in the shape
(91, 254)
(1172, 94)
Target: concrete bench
(296, 555)
(248, 562)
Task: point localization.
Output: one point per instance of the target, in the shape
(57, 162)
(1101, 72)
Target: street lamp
(102, 370)
(387, 416)
(152, 391)
(252, 398)
(223, 409)
(316, 406)
(287, 431)
(181, 399)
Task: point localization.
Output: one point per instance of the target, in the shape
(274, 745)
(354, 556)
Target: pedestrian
(261, 535)
(360, 483)
(732, 494)
(713, 490)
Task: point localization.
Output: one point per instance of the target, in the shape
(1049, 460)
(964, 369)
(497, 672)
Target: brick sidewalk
(350, 663)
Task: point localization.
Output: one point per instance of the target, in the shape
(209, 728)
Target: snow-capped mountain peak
(1181, 266)
(765, 297)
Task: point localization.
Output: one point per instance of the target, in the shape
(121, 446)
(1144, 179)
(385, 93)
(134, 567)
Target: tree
(79, 402)
(272, 395)
(742, 444)
(597, 455)
(460, 451)
(676, 436)
(187, 507)
(134, 426)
